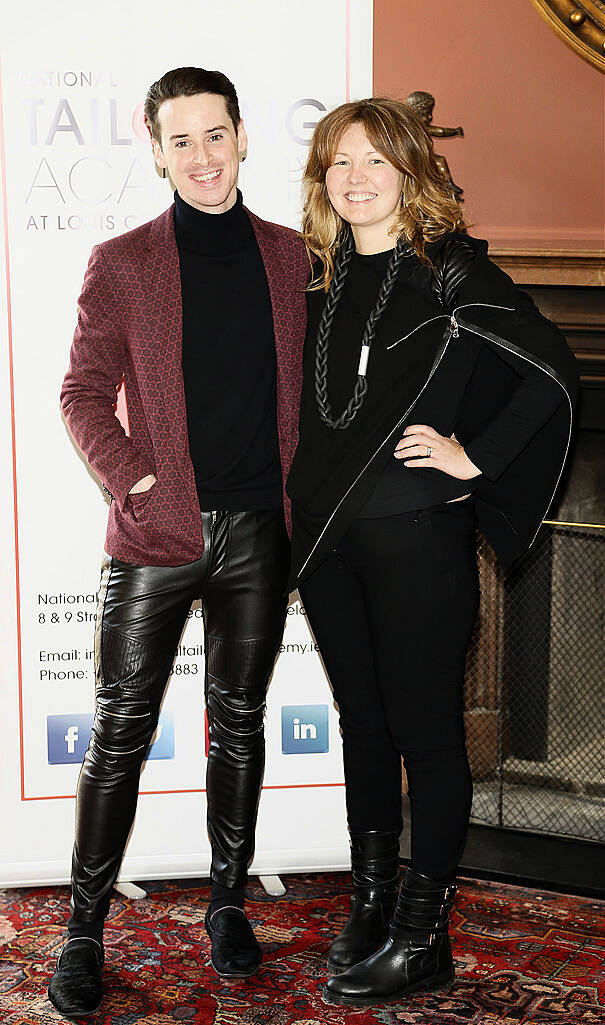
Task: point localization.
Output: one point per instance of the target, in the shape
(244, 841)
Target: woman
(435, 399)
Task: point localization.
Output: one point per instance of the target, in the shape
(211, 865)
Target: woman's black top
(399, 488)
(229, 361)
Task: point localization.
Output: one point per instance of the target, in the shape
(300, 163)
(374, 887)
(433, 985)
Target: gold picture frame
(580, 24)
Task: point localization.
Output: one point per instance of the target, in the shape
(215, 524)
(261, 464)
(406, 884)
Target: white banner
(77, 169)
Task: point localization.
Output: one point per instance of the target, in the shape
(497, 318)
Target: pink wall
(531, 160)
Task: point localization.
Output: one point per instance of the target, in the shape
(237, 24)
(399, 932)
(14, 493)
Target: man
(201, 312)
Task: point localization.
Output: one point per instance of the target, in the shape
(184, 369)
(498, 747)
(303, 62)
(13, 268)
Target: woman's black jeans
(392, 610)
(241, 579)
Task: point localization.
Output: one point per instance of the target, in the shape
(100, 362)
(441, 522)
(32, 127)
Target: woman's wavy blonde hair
(428, 209)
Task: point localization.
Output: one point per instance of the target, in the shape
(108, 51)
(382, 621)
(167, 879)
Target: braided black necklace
(341, 269)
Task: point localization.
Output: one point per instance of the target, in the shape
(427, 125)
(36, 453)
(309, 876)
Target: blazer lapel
(279, 287)
(164, 336)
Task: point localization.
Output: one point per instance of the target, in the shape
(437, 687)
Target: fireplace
(535, 693)
(535, 682)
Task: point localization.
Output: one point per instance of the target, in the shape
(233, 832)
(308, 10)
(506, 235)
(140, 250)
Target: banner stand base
(273, 885)
(132, 891)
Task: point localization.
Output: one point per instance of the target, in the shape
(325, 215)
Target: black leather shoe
(417, 954)
(76, 988)
(235, 951)
(375, 871)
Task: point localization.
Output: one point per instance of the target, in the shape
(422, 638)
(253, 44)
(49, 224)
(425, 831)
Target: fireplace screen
(535, 687)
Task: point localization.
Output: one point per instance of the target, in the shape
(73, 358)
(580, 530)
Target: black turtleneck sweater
(229, 363)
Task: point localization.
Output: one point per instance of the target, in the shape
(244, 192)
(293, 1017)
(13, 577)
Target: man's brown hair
(188, 82)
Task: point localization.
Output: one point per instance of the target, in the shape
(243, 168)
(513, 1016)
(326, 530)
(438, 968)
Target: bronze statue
(423, 104)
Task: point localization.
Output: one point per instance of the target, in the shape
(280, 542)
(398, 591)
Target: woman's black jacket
(501, 334)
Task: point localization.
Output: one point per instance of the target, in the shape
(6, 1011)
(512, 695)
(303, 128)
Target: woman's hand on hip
(423, 446)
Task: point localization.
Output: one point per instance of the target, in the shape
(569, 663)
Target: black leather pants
(241, 579)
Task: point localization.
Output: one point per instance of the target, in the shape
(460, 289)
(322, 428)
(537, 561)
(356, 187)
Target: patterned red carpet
(523, 957)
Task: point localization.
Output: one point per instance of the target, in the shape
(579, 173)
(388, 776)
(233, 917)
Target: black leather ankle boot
(375, 870)
(417, 954)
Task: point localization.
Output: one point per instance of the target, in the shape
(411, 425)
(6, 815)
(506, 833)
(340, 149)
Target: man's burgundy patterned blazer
(130, 327)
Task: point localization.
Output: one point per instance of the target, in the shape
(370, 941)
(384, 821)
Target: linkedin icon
(304, 729)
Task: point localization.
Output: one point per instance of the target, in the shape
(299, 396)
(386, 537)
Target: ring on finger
(428, 451)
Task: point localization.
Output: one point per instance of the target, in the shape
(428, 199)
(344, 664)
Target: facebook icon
(68, 737)
(304, 729)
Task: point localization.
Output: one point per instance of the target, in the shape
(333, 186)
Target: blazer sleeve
(88, 395)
